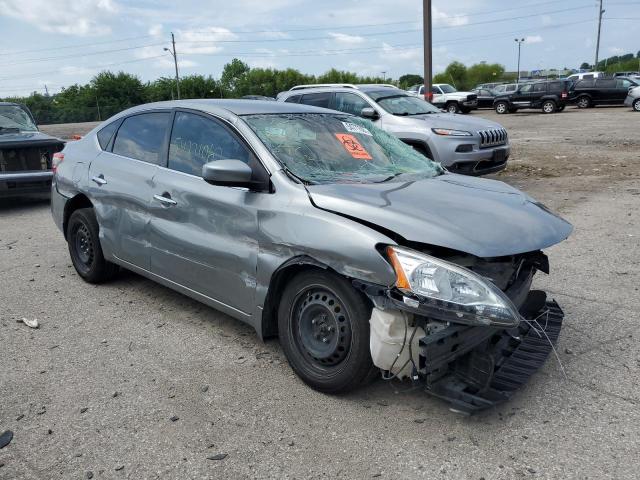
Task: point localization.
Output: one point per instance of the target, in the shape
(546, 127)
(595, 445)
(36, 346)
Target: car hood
(455, 121)
(485, 218)
(27, 139)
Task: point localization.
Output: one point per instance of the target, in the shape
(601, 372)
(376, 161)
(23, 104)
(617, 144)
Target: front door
(521, 98)
(121, 181)
(205, 237)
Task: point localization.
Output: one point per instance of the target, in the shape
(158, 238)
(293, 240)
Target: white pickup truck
(447, 97)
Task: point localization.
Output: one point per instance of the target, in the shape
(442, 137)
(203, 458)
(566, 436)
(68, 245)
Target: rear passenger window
(317, 99)
(540, 87)
(606, 83)
(350, 103)
(293, 99)
(556, 86)
(141, 136)
(196, 140)
(104, 135)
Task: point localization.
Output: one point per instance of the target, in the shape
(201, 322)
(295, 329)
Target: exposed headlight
(452, 292)
(450, 133)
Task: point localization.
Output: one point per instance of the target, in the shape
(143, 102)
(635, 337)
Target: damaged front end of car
(469, 329)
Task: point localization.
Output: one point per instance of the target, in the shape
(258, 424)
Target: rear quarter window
(293, 99)
(105, 135)
(317, 99)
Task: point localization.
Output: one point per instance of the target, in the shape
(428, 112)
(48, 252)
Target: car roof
(237, 107)
(4, 104)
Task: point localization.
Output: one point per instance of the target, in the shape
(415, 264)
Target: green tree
(482, 73)
(409, 80)
(233, 73)
(585, 66)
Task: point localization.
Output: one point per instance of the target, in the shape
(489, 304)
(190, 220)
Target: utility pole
(600, 12)
(46, 90)
(98, 105)
(520, 41)
(384, 77)
(175, 61)
(428, 38)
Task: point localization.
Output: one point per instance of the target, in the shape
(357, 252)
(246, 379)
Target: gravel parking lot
(132, 380)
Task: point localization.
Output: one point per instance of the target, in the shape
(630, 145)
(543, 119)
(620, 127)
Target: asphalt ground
(132, 380)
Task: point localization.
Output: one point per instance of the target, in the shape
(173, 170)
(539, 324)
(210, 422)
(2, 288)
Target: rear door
(605, 90)
(205, 237)
(538, 91)
(121, 180)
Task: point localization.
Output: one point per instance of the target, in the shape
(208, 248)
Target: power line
(80, 45)
(95, 67)
(77, 55)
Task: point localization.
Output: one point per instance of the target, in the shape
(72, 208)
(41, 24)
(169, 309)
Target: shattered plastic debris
(31, 323)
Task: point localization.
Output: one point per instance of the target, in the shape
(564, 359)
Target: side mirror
(369, 112)
(229, 173)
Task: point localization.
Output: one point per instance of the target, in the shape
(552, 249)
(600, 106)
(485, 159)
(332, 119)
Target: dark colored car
(601, 91)
(486, 97)
(26, 155)
(550, 96)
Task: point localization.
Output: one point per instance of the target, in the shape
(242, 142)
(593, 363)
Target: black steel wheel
(323, 324)
(84, 247)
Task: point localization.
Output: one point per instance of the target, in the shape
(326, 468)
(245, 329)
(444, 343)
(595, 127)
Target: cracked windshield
(320, 148)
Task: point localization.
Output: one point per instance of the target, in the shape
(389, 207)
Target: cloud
(346, 39)
(392, 53)
(443, 18)
(546, 20)
(534, 39)
(202, 40)
(82, 18)
(616, 50)
(156, 30)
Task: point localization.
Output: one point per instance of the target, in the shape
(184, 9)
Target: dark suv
(601, 91)
(551, 96)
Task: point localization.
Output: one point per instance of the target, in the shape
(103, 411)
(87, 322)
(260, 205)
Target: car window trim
(122, 120)
(225, 124)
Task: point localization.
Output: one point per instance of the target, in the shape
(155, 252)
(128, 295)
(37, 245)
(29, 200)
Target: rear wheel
(453, 107)
(323, 324)
(84, 247)
(636, 105)
(583, 102)
(549, 106)
(502, 108)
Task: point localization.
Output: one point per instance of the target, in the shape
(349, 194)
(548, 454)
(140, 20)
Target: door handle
(166, 201)
(99, 180)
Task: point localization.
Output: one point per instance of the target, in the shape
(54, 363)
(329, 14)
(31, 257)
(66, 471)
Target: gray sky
(62, 42)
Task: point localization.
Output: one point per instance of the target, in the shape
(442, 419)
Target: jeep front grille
(493, 137)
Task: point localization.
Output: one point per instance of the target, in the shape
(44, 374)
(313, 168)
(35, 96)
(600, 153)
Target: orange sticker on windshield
(353, 146)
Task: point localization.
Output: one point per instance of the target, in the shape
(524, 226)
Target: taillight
(76, 137)
(428, 96)
(57, 160)
(564, 95)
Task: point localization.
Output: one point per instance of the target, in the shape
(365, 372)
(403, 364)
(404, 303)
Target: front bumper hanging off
(476, 368)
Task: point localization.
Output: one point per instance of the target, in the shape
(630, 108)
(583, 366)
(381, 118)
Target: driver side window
(196, 140)
(350, 103)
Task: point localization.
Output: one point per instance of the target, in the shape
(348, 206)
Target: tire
(84, 247)
(323, 324)
(465, 110)
(583, 102)
(453, 107)
(636, 104)
(549, 106)
(502, 108)
(513, 110)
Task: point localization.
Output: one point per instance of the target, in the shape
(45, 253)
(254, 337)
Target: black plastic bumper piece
(495, 370)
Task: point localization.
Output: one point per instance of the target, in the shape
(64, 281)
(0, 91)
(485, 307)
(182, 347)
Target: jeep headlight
(451, 292)
(447, 132)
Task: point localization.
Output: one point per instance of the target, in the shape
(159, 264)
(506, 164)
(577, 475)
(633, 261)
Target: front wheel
(453, 107)
(502, 108)
(636, 104)
(549, 106)
(323, 324)
(84, 247)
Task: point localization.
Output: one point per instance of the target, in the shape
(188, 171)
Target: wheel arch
(279, 280)
(75, 203)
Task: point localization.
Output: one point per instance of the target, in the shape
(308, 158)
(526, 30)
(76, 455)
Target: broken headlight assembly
(448, 292)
